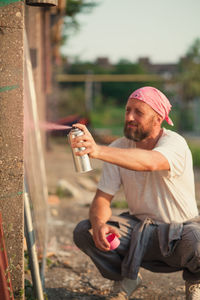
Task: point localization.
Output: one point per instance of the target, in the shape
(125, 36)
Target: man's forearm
(99, 215)
(100, 211)
(137, 159)
(133, 159)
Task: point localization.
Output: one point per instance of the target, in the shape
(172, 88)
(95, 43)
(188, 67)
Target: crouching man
(161, 230)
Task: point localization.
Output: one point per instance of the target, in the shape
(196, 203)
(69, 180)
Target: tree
(189, 85)
(73, 8)
(189, 73)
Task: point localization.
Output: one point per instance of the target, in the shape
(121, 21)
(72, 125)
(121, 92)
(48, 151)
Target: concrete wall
(11, 136)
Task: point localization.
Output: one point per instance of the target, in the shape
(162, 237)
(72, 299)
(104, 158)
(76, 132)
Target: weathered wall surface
(11, 136)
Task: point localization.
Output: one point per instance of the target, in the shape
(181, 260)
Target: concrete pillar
(11, 136)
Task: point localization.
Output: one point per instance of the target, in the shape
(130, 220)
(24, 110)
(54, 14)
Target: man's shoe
(192, 290)
(122, 290)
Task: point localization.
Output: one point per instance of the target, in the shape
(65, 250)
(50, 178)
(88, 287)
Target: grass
(122, 204)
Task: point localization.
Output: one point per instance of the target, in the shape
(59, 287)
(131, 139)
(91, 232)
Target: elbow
(157, 167)
(152, 168)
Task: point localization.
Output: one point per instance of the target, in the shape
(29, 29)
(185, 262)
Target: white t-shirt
(164, 196)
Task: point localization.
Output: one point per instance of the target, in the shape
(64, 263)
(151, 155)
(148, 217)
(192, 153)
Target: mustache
(131, 123)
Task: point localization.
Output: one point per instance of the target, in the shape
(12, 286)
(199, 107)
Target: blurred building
(104, 63)
(166, 70)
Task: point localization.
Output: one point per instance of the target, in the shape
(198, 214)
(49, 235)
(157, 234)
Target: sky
(162, 30)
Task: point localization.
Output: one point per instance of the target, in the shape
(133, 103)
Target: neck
(150, 142)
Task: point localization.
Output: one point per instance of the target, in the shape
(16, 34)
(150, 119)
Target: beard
(138, 133)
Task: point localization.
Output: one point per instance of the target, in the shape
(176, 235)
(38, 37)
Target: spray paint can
(81, 163)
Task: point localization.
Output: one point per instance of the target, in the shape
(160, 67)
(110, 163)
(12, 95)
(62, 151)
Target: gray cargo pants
(185, 255)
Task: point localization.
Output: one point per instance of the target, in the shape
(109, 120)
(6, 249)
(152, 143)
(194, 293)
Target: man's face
(139, 120)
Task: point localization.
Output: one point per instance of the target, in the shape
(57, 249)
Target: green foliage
(79, 67)
(194, 52)
(189, 73)
(122, 204)
(186, 119)
(109, 116)
(28, 286)
(119, 90)
(116, 90)
(63, 193)
(195, 149)
(175, 116)
(72, 101)
(26, 262)
(124, 66)
(49, 262)
(112, 96)
(182, 117)
(29, 291)
(73, 8)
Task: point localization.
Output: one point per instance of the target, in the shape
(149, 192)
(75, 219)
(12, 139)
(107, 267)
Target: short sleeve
(110, 180)
(174, 148)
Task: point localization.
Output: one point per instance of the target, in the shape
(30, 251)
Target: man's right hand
(100, 213)
(86, 140)
(100, 232)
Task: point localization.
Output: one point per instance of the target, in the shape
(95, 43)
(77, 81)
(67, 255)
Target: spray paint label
(81, 163)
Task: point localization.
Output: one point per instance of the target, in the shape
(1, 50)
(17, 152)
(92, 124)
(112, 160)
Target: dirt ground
(70, 273)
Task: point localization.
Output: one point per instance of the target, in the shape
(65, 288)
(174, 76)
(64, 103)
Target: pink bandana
(156, 99)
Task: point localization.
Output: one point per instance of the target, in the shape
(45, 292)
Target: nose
(130, 116)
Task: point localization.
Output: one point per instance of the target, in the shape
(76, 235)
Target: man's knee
(192, 266)
(196, 254)
(80, 232)
(196, 248)
(191, 248)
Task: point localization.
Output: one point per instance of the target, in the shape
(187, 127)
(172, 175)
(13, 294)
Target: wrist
(96, 152)
(96, 222)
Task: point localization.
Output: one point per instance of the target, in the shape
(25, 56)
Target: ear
(158, 119)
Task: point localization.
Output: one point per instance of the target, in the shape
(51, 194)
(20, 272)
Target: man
(161, 230)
